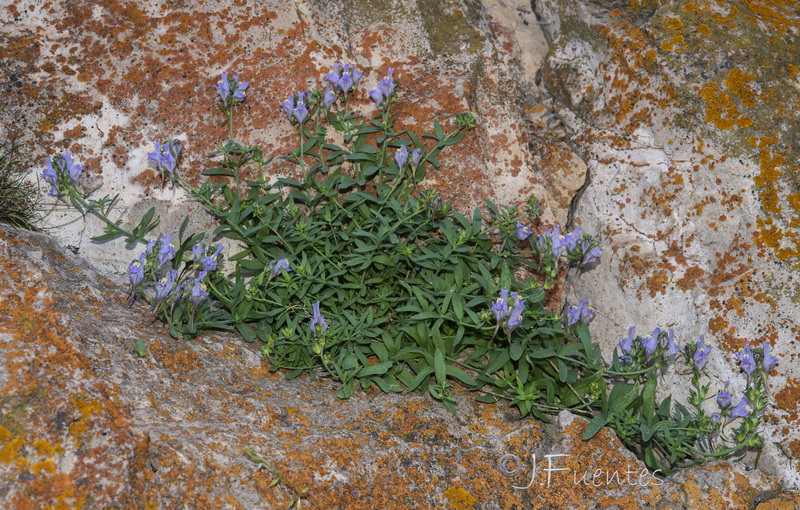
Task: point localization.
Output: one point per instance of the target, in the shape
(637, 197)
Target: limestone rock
(86, 422)
(107, 79)
(687, 117)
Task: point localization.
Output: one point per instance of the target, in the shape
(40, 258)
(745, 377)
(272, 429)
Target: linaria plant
(357, 272)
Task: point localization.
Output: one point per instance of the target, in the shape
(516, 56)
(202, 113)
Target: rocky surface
(687, 117)
(670, 131)
(106, 79)
(87, 423)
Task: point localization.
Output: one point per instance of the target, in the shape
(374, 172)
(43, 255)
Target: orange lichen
(459, 498)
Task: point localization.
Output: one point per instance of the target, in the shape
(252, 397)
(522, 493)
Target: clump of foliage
(357, 272)
(18, 198)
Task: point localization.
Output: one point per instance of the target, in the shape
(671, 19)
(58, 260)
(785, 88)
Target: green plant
(18, 198)
(299, 495)
(356, 272)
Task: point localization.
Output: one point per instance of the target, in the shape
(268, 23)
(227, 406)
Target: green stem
(110, 225)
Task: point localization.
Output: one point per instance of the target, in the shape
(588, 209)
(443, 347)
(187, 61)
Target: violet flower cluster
(582, 312)
(296, 107)
(575, 245)
(507, 311)
(343, 78)
(165, 158)
(756, 364)
(61, 171)
(384, 94)
(638, 353)
(231, 90)
(170, 286)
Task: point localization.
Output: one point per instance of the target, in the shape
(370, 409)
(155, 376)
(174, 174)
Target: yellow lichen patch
(736, 82)
(459, 498)
(673, 24)
(720, 109)
(87, 407)
(703, 30)
(674, 44)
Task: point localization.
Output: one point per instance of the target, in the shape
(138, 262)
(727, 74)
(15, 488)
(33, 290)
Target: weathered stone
(688, 123)
(88, 423)
(106, 79)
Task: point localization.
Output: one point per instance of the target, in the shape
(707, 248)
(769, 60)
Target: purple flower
(199, 292)
(354, 73)
(589, 254)
(334, 75)
(295, 107)
(672, 347)
(515, 319)
(386, 85)
(167, 250)
(769, 360)
(71, 169)
(345, 82)
(724, 397)
(50, 176)
(581, 312)
(344, 78)
(155, 156)
(401, 157)
(168, 162)
(715, 417)
(746, 360)
(416, 157)
(198, 250)
(587, 312)
(377, 97)
(329, 98)
(280, 264)
(382, 95)
(288, 107)
(651, 343)
(136, 271)
(500, 307)
(559, 245)
(241, 86)
(300, 111)
(701, 354)
(522, 232)
(571, 240)
(209, 263)
(231, 89)
(224, 88)
(318, 319)
(626, 344)
(742, 409)
(165, 285)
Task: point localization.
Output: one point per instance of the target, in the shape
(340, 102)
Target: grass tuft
(18, 198)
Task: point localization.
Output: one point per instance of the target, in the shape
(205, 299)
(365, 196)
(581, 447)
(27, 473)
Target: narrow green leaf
(595, 425)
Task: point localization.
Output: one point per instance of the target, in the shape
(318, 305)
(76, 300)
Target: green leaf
(141, 347)
(454, 371)
(595, 425)
(498, 361)
(439, 367)
(218, 171)
(649, 398)
(246, 331)
(378, 369)
(516, 350)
